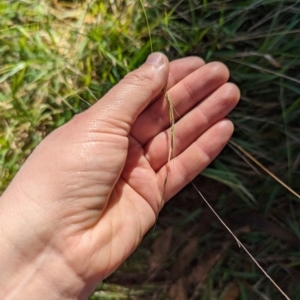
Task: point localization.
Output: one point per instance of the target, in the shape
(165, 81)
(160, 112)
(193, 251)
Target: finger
(122, 104)
(184, 95)
(185, 167)
(180, 68)
(192, 125)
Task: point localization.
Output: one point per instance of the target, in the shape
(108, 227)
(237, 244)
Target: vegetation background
(59, 57)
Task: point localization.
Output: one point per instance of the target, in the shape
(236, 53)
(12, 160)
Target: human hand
(87, 195)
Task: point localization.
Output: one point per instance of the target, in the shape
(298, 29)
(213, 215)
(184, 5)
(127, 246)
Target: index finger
(182, 67)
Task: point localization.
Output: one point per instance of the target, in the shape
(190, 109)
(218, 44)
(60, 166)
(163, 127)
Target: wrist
(35, 280)
(31, 266)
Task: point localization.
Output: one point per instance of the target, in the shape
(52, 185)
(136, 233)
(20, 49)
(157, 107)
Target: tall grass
(58, 57)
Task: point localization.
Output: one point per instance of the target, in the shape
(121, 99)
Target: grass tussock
(58, 57)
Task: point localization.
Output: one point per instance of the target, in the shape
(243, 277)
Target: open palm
(94, 187)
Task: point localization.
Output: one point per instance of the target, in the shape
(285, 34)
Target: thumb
(125, 101)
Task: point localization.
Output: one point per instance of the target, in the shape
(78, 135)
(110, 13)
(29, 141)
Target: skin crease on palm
(87, 195)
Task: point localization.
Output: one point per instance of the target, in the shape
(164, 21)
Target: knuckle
(139, 77)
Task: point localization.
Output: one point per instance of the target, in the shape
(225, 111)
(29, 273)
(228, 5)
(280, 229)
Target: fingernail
(156, 59)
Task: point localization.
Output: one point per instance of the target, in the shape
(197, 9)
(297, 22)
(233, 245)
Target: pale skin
(87, 195)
